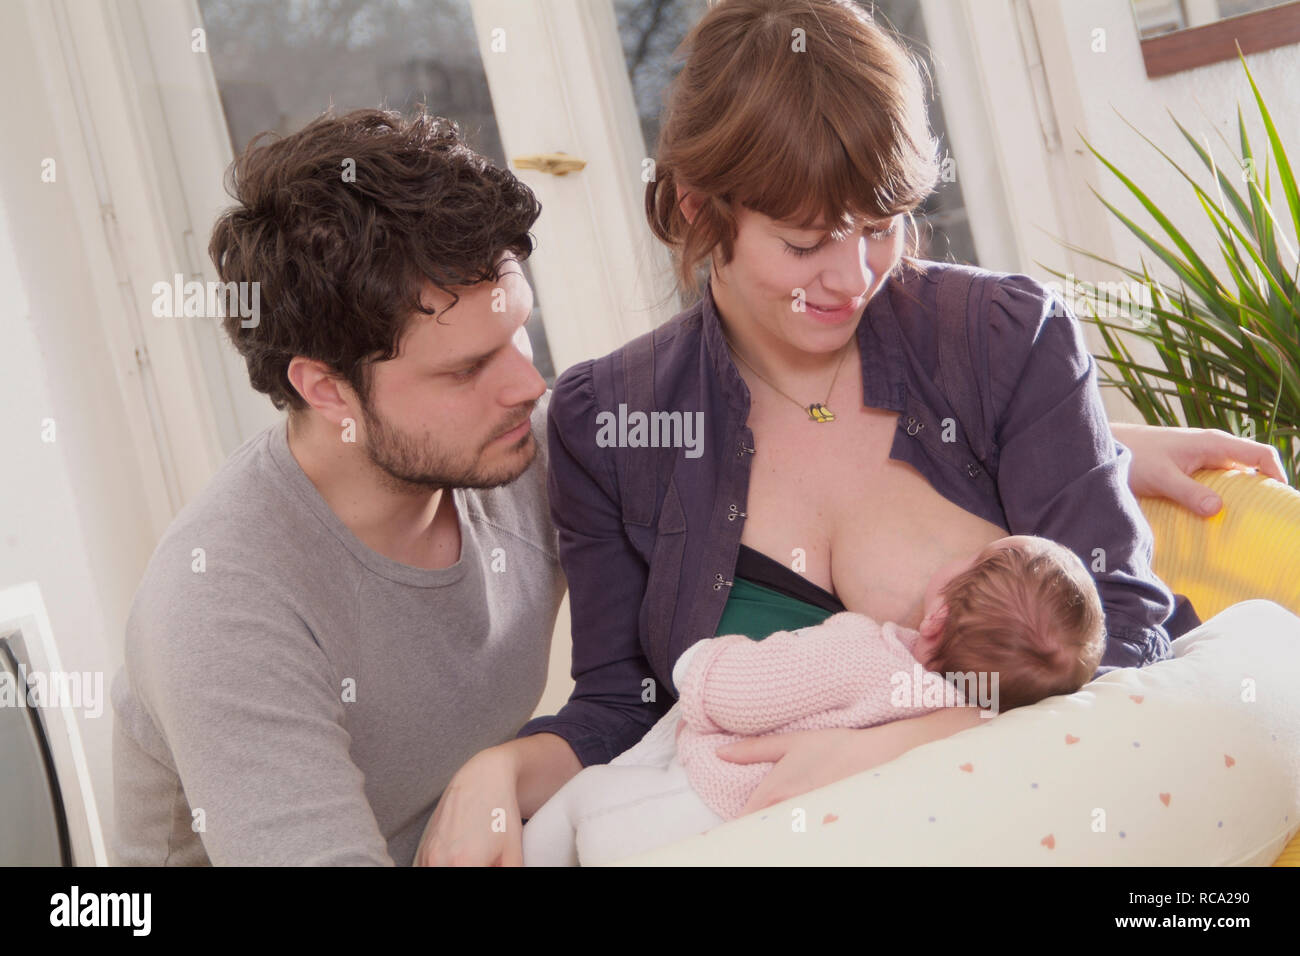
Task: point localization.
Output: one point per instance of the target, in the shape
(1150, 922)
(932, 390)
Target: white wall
(73, 515)
(1023, 85)
(1204, 100)
(1092, 90)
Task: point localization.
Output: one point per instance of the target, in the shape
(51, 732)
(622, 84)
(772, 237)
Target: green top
(758, 612)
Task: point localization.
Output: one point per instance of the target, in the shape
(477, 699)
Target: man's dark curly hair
(340, 263)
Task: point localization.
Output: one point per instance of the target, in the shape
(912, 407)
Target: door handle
(557, 164)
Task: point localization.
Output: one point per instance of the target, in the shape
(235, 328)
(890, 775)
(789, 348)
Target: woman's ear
(688, 203)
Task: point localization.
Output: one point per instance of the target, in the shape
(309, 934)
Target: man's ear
(689, 203)
(322, 389)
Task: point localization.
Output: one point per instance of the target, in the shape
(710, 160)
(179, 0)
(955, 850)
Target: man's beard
(408, 463)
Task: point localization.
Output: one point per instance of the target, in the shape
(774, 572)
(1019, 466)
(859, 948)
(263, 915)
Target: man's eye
(468, 373)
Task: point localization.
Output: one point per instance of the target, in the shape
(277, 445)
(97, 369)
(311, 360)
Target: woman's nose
(848, 275)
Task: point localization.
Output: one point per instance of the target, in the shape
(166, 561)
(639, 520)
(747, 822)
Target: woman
(836, 440)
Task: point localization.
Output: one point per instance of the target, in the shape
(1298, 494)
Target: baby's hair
(1030, 613)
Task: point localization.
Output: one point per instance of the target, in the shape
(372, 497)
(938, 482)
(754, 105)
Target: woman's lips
(833, 313)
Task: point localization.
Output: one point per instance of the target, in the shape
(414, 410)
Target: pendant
(818, 412)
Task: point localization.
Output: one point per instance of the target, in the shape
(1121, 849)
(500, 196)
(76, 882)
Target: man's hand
(477, 821)
(1165, 458)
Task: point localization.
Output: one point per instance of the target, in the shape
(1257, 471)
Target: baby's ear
(932, 626)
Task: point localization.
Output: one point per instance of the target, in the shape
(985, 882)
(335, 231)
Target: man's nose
(525, 384)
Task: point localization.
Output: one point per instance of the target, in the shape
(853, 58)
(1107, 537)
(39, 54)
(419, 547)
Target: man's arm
(516, 777)
(543, 764)
(254, 720)
(606, 712)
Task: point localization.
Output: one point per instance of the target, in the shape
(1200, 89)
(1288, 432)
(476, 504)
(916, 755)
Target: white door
(522, 79)
(198, 78)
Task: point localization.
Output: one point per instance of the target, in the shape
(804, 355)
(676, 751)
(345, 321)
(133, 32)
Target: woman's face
(781, 274)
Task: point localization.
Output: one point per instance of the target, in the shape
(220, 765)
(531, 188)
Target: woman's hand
(809, 759)
(477, 821)
(1165, 458)
(805, 760)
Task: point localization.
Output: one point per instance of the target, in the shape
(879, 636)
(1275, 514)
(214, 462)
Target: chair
(48, 815)
(1250, 549)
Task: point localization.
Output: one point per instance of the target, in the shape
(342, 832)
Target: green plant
(1230, 345)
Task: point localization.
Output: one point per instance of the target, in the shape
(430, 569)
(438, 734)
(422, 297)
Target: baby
(1021, 618)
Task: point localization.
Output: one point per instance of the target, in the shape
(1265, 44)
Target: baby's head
(1025, 607)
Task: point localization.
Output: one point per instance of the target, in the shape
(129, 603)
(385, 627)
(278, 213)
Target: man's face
(452, 409)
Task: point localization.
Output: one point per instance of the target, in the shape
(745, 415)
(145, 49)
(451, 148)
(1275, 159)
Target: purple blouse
(648, 536)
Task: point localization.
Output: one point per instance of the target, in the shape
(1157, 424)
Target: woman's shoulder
(1025, 299)
(601, 383)
(1007, 315)
(1015, 326)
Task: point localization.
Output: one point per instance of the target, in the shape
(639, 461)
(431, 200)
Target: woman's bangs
(810, 180)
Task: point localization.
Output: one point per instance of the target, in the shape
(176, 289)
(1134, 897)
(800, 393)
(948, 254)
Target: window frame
(1191, 47)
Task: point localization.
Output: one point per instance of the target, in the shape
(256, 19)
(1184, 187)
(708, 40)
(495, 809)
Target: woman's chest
(828, 501)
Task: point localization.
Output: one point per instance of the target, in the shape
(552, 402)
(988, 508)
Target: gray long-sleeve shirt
(290, 696)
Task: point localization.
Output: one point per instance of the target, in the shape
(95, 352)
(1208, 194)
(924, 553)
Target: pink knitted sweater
(840, 673)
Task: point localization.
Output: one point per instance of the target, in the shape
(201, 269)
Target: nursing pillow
(1193, 761)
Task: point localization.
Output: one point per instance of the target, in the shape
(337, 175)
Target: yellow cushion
(1250, 549)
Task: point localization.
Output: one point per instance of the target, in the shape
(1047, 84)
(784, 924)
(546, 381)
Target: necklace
(817, 411)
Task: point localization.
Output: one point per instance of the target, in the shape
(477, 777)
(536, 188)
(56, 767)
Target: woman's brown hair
(798, 109)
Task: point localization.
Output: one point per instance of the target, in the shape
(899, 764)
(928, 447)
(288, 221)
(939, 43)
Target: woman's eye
(875, 235)
(802, 250)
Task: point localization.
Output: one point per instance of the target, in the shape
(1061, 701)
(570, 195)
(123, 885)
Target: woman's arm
(809, 759)
(616, 696)
(1165, 458)
(1060, 472)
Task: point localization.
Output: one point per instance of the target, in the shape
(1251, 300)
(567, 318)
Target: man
(363, 598)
